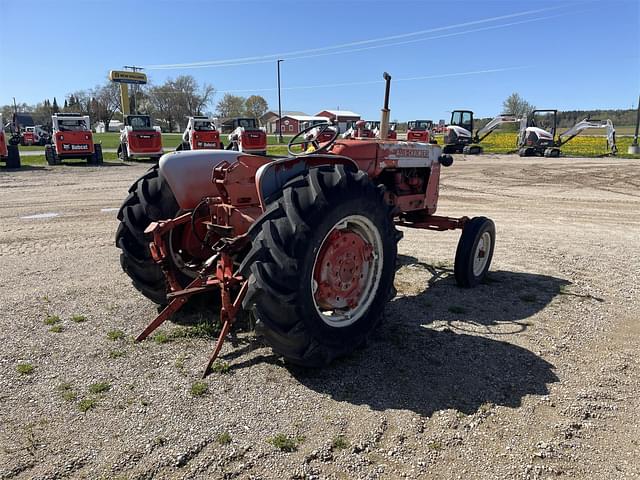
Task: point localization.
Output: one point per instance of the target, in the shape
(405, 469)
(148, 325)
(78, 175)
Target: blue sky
(562, 54)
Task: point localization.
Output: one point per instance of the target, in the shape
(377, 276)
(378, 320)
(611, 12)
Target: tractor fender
(271, 177)
(189, 173)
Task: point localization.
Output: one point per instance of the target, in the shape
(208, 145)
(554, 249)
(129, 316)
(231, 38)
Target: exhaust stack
(384, 120)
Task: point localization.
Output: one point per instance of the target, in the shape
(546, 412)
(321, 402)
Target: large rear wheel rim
(347, 271)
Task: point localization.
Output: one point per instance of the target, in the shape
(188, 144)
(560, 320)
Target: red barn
(292, 124)
(343, 118)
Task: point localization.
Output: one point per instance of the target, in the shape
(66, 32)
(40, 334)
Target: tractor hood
(189, 173)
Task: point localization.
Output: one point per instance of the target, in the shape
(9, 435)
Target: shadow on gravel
(23, 168)
(103, 164)
(410, 366)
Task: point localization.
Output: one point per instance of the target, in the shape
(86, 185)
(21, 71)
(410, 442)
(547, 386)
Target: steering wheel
(301, 141)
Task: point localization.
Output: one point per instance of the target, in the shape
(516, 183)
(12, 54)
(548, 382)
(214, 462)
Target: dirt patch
(533, 374)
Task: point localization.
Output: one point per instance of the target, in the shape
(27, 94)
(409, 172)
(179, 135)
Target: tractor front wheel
(322, 265)
(475, 251)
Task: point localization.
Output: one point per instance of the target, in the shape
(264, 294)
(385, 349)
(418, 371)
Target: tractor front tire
(474, 252)
(150, 199)
(321, 265)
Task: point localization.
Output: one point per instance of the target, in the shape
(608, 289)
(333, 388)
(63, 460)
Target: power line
(302, 53)
(169, 91)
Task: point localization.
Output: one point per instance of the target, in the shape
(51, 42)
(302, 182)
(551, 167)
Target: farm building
(342, 117)
(270, 119)
(292, 124)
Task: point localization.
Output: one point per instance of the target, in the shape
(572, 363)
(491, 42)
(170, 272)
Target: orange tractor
(420, 131)
(72, 139)
(306, 244)
(201, 133)
(9, 153)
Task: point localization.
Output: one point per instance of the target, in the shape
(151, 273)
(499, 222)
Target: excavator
(537, 134)
(459, 136)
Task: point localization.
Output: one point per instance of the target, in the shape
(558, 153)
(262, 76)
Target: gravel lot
(534, 374)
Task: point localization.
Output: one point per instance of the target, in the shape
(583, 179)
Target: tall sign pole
(125, 78)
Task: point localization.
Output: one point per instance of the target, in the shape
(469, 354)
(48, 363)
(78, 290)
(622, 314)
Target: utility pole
(279, 105)
(133, 68)
(634, 148)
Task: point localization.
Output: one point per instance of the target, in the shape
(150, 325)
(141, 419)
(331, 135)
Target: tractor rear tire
(290, 242)
(13, 156)
(474, 252)
(150, 199)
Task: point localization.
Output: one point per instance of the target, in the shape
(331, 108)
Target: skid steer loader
(420, 131)
(201, 133)
(245, 136)
(139, 139)
(306, 244)
(72, 139)
(9, 153)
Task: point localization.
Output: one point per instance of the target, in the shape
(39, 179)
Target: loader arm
(567, 135)
(485, 131)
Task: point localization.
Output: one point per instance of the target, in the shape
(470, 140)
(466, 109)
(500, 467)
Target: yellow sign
(124, 76)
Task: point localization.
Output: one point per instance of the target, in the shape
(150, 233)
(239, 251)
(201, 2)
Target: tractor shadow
(429, 354)
(86, 165)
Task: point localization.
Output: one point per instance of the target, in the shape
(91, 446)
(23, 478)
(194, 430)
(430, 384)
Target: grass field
(500, 142)
(112, 139)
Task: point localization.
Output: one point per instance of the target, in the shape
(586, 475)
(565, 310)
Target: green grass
(56, 329)
(52, 320)
(161, 337)
(99, 387)
(199, 388)
(67, 392)
(115, 335)
(87, 404)
(339, 443)
(25, 368)
(116, 354)
(224, 438)
(78, 318)
(221, 367)
(285, 443)
(435, 445)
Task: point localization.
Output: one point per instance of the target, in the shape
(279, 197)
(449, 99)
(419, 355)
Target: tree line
(168, 104)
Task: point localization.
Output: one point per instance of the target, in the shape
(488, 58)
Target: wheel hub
(342, 270)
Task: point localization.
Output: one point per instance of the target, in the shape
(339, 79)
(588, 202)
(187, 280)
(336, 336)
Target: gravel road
(534, 374)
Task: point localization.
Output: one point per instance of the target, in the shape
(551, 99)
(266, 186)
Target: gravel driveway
(534, 374)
